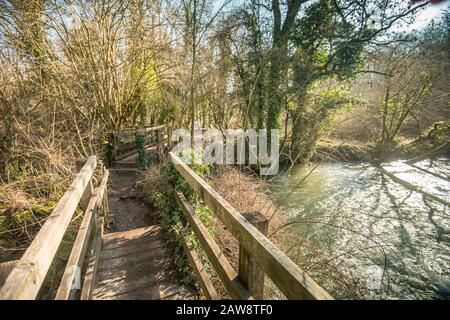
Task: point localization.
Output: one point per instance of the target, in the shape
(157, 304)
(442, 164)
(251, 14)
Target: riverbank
(328, 150)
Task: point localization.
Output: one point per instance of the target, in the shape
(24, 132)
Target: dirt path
(126, 210)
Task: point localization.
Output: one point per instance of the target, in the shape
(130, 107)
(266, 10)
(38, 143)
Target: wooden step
(124, 170)
(135, 265)
(125, 164)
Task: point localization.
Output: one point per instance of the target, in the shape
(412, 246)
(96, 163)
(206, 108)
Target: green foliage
(171, 218)
(314, 117)
(110, 144)
(325, 44)
(170, 113)
(142, 154)
(12, 226)
(147, 94)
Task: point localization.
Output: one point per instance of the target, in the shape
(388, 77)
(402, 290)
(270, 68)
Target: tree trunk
(279, 59)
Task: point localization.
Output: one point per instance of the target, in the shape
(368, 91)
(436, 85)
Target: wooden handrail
(132, 131)
(285, 274)
(25, 280)
(223, 268)
(66, 288)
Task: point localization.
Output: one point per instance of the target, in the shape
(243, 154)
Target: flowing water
(396, 240)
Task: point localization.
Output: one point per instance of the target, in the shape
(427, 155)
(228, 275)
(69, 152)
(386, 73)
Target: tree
(329, 39)
(410, 73)
(279, 57)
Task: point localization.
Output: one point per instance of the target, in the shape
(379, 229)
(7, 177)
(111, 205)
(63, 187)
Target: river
(394, 240)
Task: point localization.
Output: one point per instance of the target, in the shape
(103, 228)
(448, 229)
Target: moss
(36, 212)
(11, 226)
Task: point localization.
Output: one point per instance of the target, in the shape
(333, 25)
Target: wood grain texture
(286, 275)
(66, 288)
(26, 278)
(215, 255)
(202, 275)
(134, 264)
(93, 259)
(251, 275)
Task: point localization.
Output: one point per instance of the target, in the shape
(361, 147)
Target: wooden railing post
(249, 272)
(158, 137)
(88, 192)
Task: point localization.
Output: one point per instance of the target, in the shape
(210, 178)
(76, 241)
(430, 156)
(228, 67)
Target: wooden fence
(27, 277)
(258, 255)
(122, 142)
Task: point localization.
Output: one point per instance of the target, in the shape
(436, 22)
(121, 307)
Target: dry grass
(245, 193)
(248, 193)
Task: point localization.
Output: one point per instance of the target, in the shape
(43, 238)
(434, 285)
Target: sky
(432, 11)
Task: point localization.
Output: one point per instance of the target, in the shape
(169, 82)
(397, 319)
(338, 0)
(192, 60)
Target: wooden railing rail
(71, 280)
(119, 149)
(132, 131)
(285, 274)
(27, 277)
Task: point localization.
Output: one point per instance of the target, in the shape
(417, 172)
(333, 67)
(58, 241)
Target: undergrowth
(158, 191)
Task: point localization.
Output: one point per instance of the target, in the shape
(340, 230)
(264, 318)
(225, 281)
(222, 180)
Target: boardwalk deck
(130, 262)
(135, 265)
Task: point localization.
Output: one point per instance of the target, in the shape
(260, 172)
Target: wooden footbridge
(135, 264)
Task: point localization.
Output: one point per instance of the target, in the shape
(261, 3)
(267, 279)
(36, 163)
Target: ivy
(176, 232)
(142, 155)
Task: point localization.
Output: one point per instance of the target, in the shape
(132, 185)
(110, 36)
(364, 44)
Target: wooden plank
(126, 249)
(143, 288)
(25, 280)
(89, 279)
(141, 265)
(133, 257)
(103, 187)
(287, 276)
(202, 276)
(183, 295)
(251, 275)
(145, 284)
(66, 288)
(136, 266)
(5, 270)
(76, 259)
(126, 132)
(139, 233)
(221, 265)
(88, 191)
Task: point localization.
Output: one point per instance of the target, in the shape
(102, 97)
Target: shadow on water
(368, 221)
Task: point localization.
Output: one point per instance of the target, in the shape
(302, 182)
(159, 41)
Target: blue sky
(432, 11)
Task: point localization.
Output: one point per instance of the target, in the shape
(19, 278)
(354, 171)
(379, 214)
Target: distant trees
(410, 72)
(85, 68)
(72, 71)
(309, 42)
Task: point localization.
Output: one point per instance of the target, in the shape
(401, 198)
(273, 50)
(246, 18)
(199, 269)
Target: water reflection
(354, 214)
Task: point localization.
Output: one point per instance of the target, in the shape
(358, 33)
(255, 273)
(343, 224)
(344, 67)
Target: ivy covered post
(140, 146)
(111, 148)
